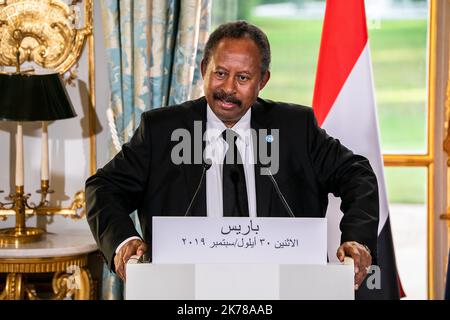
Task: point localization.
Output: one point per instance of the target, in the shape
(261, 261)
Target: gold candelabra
(19, 207)
(19, 203)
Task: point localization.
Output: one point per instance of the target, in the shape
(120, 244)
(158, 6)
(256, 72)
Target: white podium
(147, 281)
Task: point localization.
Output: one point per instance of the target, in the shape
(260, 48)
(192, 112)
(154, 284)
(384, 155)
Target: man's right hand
(131, 248)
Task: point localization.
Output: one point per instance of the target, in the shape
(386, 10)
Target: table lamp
(29, 97)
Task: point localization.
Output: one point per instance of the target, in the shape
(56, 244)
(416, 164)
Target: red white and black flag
(344, 104)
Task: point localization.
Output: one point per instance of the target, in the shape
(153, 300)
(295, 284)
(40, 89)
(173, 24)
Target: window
(398, 40)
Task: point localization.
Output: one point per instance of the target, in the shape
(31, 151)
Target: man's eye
(242, 78)
(220, 74)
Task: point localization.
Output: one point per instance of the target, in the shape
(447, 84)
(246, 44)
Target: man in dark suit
(145, 177)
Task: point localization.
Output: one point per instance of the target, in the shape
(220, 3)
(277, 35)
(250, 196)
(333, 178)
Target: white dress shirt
(215, 149)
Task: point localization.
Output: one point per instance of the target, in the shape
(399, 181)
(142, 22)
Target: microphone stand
(206, 166)
(280, 194)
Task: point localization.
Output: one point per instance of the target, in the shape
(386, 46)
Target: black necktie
(235, 203)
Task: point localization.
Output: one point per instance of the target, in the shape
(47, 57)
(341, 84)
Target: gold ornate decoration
(62, 286)
(37, 265)
(71, 278)
(76, 211)
(44, 32)
(59, 285)
(13, 288)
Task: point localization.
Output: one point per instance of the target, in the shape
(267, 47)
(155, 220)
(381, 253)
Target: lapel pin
(269, 138)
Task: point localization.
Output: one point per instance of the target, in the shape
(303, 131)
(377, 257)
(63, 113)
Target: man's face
(232, 78)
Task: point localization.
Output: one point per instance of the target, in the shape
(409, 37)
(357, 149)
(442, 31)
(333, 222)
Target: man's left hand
(361, 257)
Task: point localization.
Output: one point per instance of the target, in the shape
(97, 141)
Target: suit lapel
(263, 184)
(193, 171)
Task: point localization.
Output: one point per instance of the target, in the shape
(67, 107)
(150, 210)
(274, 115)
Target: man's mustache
(228, 98)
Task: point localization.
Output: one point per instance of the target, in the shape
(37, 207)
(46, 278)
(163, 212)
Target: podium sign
(239, 240)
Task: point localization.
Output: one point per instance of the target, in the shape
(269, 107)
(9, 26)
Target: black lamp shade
(34, 98)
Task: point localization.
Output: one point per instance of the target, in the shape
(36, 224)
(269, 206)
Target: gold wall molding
(44, 32)
(432, 60)
(405, 160)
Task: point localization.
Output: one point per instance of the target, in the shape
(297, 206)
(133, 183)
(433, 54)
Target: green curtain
(154, 49)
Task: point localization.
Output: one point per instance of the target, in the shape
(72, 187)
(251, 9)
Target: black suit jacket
(312, 164)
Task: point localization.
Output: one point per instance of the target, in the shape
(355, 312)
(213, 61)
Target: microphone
(206, 165)
(280, 194)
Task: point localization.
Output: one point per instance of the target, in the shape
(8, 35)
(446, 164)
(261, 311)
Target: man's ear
(264, 80)
(203, 67)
